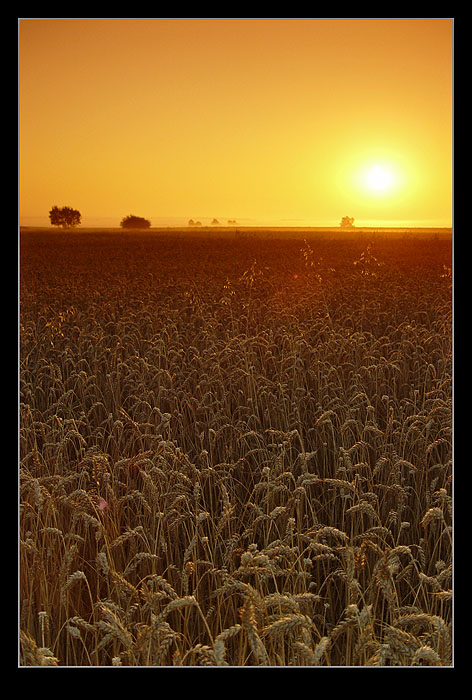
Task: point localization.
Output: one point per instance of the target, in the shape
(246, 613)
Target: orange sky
(263, 121)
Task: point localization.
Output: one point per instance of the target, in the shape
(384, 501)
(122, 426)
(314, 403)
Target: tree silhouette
(132, 221)
(347, 222)
(65, 217)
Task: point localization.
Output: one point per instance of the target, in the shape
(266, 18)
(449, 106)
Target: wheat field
(234, 452)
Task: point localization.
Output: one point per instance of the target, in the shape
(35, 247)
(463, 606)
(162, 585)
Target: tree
(347, 222)
(132, 221)
(65, 217)
(215, 222)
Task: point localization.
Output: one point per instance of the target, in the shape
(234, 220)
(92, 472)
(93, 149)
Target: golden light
(365, 177)
(375, 183)
(379, 178)
(312, 162)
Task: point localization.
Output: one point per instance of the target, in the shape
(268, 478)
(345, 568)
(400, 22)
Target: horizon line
(242, 222)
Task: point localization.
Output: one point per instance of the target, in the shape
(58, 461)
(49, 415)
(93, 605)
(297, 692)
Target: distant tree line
(215, 222)
(67, 217)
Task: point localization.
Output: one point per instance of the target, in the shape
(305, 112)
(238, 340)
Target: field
(235, 452)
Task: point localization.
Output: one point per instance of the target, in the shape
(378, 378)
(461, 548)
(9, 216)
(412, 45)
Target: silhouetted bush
(132, 221)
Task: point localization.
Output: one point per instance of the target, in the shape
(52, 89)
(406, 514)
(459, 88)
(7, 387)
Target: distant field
(266, 232)
(235, 451)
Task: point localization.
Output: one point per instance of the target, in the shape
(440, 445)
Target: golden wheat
(235, 455)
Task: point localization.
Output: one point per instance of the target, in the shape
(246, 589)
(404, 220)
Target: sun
(378, 178)
(375, 182)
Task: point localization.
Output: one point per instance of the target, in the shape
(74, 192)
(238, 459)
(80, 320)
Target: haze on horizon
(261, 120)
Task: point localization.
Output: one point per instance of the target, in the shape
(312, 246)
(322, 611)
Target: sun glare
(376, 180)
(379, 178)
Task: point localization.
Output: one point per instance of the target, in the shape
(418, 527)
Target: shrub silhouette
(132, 221)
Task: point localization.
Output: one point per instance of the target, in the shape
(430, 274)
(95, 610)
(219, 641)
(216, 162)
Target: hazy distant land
(276, 232)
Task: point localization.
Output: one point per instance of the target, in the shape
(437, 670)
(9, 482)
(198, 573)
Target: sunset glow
(262, 121)
(379, 178)
(235, 343)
